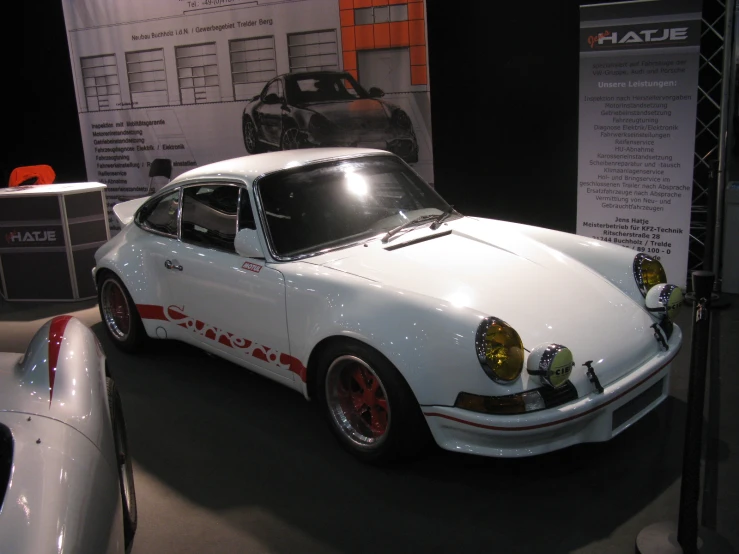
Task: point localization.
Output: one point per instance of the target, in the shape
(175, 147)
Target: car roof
(250, 167)
(303, 74)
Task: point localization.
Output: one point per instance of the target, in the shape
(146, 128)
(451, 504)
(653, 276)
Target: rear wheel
(123, 462)
(251, 139)
(119, 314)
(369, 406)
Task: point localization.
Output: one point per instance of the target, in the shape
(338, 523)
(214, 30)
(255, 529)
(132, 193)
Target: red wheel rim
(358, 401)
(116, 312)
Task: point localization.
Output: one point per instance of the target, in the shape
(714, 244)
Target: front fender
(63, 496)
(61, 376)
(430, 341)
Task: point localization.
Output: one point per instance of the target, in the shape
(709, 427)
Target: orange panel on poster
(350, 60)
(346, 4)
(418, 75)
(399, 33)
(379, 2)
(382, 35)
(415, 10)
(347, 39)
(365, 37)
(398, 1)
(347, 18)
(417, 32)
(362, 3)
(353, 73)
(418, 55)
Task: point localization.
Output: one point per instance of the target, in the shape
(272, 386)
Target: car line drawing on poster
(66, 476)
(340, 273)
(325, 108)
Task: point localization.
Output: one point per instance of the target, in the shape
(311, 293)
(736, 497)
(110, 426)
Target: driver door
(270, 112)
(219, 300)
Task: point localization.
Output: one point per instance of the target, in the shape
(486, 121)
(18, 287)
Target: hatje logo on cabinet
(14, 237)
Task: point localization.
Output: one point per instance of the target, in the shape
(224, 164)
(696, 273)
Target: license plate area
(626, 412)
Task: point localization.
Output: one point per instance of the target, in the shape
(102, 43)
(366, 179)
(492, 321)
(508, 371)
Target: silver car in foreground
(66, 481)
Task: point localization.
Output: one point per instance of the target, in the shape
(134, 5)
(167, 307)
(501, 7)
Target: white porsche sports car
(343, 275)
(66, 481)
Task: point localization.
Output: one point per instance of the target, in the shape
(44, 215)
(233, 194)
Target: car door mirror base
(247, 244)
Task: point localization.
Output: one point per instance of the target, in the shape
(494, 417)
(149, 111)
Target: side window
(209, 215)
(273, 88)
(160, 214)
(246, 216)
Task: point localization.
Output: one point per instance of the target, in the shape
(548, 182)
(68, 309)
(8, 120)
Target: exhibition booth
(498, 300)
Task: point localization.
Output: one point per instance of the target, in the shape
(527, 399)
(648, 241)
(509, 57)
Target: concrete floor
(227, 461)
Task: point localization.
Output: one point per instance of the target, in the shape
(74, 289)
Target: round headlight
(499, 350)
(648, 272)
(665, 299)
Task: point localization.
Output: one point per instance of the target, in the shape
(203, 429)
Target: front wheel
(291, 139)
(369, 406)
(124, 465)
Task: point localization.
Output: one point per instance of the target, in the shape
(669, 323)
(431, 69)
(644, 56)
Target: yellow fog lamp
(499, 350)
(551, 363)
(648, 272)
(665, 301)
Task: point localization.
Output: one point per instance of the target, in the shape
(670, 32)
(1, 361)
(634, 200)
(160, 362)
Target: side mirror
(376, 92)
(247, 244)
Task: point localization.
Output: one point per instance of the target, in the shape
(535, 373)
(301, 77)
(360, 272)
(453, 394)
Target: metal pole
(726, 86)
(687, 524)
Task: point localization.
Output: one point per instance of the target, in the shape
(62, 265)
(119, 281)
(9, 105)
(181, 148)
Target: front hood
(489, 267)
(363, 113)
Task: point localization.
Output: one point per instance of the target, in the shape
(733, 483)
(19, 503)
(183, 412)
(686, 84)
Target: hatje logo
(608, 38)
(30, 236)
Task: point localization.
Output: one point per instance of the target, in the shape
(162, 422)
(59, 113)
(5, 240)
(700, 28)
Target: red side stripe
(150, 311)
(56, 334)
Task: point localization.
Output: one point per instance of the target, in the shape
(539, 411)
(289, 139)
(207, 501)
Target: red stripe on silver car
(56, 335)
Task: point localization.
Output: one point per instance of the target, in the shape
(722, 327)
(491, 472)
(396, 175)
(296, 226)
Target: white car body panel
(64, 492)
(125, 211)
(418, 299)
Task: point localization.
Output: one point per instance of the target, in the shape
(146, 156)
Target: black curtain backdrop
(504, 80)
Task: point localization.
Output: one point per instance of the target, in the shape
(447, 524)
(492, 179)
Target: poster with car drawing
(198, 81)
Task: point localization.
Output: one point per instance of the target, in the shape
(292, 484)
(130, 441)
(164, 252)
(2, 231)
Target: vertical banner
(638, 95)
(197, 81)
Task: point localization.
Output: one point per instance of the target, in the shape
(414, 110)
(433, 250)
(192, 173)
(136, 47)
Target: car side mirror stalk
(247, 244)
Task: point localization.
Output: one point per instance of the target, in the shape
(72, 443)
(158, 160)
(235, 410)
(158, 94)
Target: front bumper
(591, 418)
(403, 146)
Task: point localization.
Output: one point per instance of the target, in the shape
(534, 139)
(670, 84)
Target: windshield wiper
(419, 219)
(442, 217)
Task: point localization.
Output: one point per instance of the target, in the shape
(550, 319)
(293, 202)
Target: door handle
(169, 265)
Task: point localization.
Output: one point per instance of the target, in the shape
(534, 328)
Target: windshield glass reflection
(329, 205)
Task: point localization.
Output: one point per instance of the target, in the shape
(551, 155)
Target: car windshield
(333, 204)
(329, 87)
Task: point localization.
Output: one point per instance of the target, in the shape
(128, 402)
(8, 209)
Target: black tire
(290, 139)
(123, 463)
(251, 136)
(120, 316)
(401, 433)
